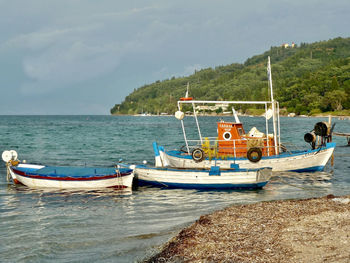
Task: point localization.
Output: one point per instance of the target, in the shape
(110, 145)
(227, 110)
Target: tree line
(308, 79)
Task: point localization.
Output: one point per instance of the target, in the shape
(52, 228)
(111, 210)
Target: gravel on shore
(311, 230)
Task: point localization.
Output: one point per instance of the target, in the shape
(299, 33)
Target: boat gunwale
(295, 153)
(33, 175)
(182, 169)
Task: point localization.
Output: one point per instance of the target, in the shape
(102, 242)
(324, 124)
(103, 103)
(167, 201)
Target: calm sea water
(113, 226)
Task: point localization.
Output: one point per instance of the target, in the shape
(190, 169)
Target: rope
(120, 181)
(280, 179)
(296, 186)
(283, 181)
(8, 173)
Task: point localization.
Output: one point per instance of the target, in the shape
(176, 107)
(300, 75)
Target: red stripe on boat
(70, 178)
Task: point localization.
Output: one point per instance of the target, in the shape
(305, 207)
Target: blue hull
(204, 186)
(310, 169)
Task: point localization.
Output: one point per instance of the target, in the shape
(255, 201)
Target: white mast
(235, 115)
(273, 104)
(188, 85)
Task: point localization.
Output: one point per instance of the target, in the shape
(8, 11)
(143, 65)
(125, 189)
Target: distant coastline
(323, 115)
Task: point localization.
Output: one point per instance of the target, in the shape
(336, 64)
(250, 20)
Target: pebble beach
(310, 230)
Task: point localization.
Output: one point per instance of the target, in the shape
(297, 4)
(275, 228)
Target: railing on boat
(237, 148)
(213, 150)
(275, 116)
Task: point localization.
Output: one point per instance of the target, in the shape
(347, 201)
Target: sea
(38, 225)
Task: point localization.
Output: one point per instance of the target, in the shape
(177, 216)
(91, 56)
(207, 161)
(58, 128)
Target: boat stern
(160, 156)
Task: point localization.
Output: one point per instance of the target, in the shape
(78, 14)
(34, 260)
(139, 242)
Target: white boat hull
(201, 179)
(33, 181)
(310, 160)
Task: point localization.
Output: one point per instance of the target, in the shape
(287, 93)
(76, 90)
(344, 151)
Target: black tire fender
(254, 154)
(198, 155)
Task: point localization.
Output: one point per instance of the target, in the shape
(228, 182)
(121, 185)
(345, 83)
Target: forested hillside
(308, 79)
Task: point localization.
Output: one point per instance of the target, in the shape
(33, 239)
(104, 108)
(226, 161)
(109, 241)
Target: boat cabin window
(240, 131)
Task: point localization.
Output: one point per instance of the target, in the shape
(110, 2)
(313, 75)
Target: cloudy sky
(84, 56)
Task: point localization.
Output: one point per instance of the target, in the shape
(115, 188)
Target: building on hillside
(286, 45)
(217, 106)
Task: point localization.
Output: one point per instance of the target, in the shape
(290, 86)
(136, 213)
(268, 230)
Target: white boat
(250, 150)
(214, 178)
(298, 161)
(65, 177)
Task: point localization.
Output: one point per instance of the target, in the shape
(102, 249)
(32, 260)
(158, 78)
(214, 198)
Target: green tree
(301, 83)
(335, 99)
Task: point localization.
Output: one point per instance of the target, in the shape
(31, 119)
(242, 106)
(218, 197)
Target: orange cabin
(233, 141)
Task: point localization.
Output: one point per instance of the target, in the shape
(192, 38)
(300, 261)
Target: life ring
(198, 155)
(227, 136)
(186, 98)
(254, 154)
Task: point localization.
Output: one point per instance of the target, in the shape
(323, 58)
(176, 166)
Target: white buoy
(144, 162)
(179, 115)
(6, 156)
(9, 155)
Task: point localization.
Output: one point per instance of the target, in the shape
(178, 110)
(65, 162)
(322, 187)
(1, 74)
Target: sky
(84, 56)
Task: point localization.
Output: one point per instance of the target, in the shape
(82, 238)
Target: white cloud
(63, 66)
(75, 51)
(41, 39)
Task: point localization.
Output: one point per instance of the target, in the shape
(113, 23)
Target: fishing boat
(254, 149)
(65, 177)
(213, 178)
(298, 161)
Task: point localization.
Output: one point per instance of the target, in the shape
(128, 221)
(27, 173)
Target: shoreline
(306, 230)
(343, 117)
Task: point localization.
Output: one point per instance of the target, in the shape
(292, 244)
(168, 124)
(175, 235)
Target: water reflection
(305, 181)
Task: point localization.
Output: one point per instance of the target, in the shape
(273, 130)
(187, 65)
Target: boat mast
(273, 105)
(235, 115)
(267, 130)
(183, 129)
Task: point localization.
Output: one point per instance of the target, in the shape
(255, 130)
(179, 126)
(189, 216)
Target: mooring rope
(8, 173)
(154, 179)
(281, 180)
(293, 185)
